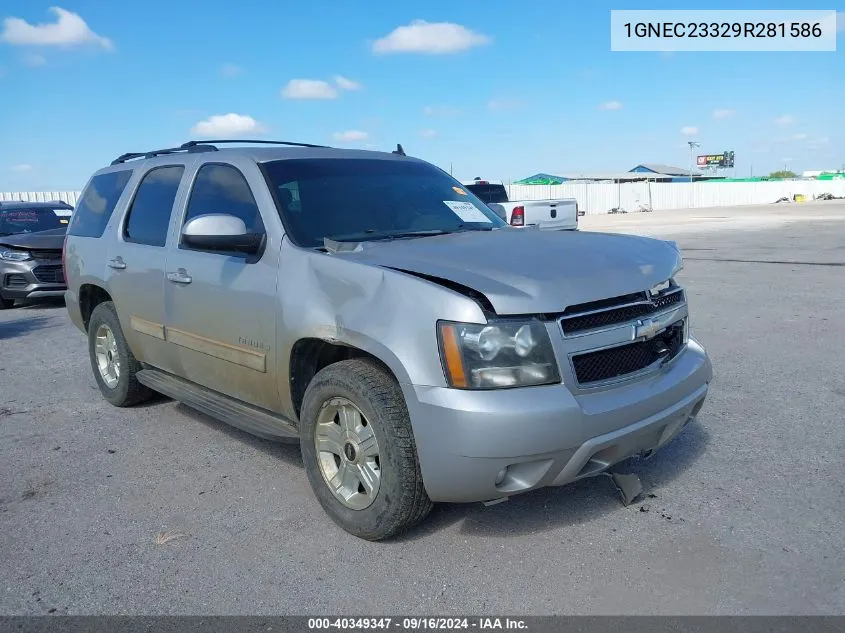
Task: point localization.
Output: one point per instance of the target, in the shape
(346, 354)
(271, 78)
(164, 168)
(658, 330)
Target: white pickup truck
(560, 214)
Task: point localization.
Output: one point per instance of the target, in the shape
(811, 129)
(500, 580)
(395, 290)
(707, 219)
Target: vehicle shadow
(287, 452)
(20, 327)
(545, 509)
(579, 502)
(40, 304)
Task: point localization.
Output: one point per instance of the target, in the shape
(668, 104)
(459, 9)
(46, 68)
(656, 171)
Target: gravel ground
(160, 510)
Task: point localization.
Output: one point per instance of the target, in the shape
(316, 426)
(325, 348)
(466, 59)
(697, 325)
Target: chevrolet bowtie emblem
(646, 328)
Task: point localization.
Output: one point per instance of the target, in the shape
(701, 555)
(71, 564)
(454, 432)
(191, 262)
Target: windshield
(367, 199)
(32, 219)
(491, 194)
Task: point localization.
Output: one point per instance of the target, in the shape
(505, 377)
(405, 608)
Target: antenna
(399, 150)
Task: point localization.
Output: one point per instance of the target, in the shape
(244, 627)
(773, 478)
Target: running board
(229, 410)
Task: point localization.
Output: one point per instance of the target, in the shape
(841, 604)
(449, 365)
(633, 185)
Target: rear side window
(97, 203)
(223, 189)
(149, 214)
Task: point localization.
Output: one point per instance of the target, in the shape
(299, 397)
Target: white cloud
(822, 140)
(346, 84)
(309, 89)
(689, 130)
(440, 111)
(21, 168)
(785, 119)
(428, 133)
(68, 30)
(230, 70)
(504, 104)
(723, 113)
(799, 137)
(434, 38)
(227, 125)
(33, 59)
(610, 105)
(350, 136)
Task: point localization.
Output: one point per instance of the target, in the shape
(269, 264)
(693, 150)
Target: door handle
(179, 277)
(117, 263)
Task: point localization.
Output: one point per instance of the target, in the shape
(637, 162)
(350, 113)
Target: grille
(49, 274)
(15, 281)
(46, 255)
(618, 310)
(619, 361)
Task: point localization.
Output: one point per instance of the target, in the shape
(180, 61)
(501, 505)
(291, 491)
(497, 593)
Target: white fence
(601, 198)
(41, 196)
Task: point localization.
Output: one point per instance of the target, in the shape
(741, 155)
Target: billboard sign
(723, 160)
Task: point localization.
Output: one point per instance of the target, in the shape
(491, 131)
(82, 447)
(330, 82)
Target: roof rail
(202, 146)
(190, 144)
(161, 152)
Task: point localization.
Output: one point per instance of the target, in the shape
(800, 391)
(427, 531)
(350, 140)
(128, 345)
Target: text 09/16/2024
(723, 31)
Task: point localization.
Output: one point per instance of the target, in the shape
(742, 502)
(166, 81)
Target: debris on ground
(645, 507)
(629, 486)
(163, 538)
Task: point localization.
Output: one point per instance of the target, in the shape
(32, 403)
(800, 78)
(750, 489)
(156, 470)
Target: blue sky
(517, 88)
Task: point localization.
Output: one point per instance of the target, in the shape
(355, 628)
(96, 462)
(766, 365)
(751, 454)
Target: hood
(528, 271)
(49, 240)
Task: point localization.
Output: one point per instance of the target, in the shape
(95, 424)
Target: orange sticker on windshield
(459, 191)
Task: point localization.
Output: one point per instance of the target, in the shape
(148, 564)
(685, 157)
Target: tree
(783, 173)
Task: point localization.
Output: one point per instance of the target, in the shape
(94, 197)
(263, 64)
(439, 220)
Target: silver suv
(368, 306)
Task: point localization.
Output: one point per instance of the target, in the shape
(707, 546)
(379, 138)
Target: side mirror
(220, 232)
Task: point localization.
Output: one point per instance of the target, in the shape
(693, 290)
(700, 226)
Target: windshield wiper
(371, 235)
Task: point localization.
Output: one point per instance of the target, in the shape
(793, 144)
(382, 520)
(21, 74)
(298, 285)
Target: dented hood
(528, 271)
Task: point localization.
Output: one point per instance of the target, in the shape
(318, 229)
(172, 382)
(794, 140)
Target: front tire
(5, 304)
(113, 363)
(359, 452)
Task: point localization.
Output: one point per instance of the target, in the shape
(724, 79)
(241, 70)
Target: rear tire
(355, 410)
(113, 363)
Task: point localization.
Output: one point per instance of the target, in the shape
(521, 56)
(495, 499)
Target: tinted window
(491, 194)
(149, 214)
(97, 203)
(32, 219)
(348, 199)
(223, 189)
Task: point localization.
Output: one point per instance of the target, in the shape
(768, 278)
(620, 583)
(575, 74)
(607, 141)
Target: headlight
(10, 255)
(497, 355)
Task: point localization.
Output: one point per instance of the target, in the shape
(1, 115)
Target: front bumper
(31, 279)
(546, 436)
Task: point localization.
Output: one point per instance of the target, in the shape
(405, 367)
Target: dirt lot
(160, 510)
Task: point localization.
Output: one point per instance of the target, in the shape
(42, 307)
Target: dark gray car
(369, 306)
(31, 239)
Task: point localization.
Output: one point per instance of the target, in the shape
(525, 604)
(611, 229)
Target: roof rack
(202, 146)
(191, 144)
(161, 152)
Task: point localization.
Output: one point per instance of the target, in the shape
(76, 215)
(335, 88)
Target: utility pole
(692, 146)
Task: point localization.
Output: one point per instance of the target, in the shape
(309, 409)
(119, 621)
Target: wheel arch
(311, 354)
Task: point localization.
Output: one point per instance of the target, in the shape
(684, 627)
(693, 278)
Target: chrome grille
(608, 312)
(616, 362)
